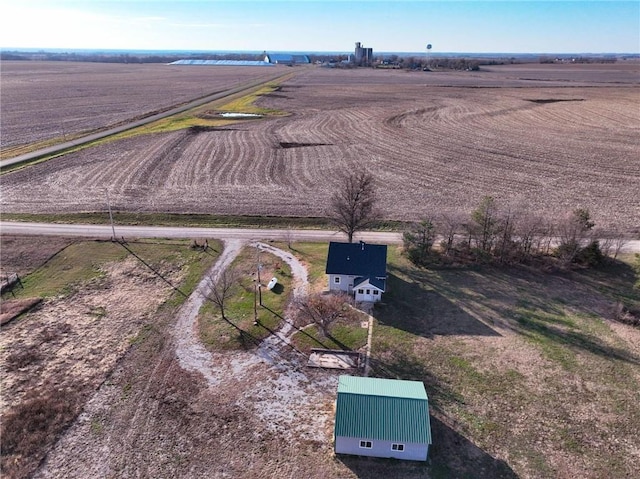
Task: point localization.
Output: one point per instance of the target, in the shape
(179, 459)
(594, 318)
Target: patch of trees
(419, 63)
(495, 233)
(580, 59)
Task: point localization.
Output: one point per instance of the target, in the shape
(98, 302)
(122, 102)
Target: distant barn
(285, 58)
(235, 63)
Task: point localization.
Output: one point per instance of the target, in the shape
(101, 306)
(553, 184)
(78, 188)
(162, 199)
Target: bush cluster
(492, 233)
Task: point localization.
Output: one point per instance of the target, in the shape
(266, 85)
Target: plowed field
(43, 100)
(550, 139)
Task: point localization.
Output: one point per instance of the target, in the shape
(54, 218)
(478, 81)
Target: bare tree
(611, 241)
(486, 224)
(605, 240)
(450, 225)
(508, 221)
(323, 310)
(573, 231)
(223, 289)
(529, 230)
(618, 243)
(289, 238)
(352, 207)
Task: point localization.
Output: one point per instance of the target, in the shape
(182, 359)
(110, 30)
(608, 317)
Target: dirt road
(247, 234)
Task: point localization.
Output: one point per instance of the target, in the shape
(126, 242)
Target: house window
(368, 291)
(336, 280)
(361, 291)
(397, 447)
(367, 444)
(376, 292)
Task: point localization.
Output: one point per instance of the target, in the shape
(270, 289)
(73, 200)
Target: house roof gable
(377, 283)
(357, 259)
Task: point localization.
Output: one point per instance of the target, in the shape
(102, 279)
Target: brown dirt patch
(55, 357)
(24, 254)
(12, 308)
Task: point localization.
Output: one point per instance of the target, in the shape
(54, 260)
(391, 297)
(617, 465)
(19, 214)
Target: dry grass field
(548, 138)
(97, 301)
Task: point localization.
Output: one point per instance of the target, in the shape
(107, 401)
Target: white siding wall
(351, 445)
(364, 296)
(345, 284)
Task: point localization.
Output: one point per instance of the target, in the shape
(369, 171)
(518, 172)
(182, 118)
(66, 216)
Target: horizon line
(326, 52)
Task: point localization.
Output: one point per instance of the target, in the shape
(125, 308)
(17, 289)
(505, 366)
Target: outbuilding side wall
(351, 445)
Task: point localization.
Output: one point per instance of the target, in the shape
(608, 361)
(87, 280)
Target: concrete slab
(334, 359)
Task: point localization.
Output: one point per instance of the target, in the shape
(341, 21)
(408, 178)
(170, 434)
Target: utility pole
(113, 230)
(259, 283)
(257, 292)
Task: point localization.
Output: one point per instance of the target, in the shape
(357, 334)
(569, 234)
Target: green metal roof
(382, 387)
(382, 409)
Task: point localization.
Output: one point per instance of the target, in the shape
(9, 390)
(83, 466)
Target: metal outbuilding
(382, 418)
(233, 63)
(286, 58)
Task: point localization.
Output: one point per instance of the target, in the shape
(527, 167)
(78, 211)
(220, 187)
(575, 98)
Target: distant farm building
(358, 268)
(382, 418)
(286, 58)
(235, 63)
(362, 55)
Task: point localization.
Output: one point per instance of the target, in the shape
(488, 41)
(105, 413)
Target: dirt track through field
(190, 352)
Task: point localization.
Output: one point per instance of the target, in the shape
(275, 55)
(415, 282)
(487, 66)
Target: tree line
(492, 232)
(496, 233)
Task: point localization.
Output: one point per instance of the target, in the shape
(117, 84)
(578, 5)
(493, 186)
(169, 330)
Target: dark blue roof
(358, 259)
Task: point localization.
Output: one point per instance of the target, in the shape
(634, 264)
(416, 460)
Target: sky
(472, 26)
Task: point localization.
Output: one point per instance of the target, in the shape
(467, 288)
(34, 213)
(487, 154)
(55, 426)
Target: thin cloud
(218, 25)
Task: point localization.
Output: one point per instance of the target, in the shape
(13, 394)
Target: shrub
(590, 255)
(32, 425)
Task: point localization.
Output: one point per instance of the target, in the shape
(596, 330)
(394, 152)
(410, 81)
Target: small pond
(240, 115)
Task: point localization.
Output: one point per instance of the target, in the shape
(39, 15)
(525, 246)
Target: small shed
(382, 418)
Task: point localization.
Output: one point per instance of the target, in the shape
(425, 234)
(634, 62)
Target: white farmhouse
(358, 268)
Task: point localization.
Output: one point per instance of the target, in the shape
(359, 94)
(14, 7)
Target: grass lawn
(242, 309)
(526, 373)
(80, 263)
(345, 333)
(527, 365)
